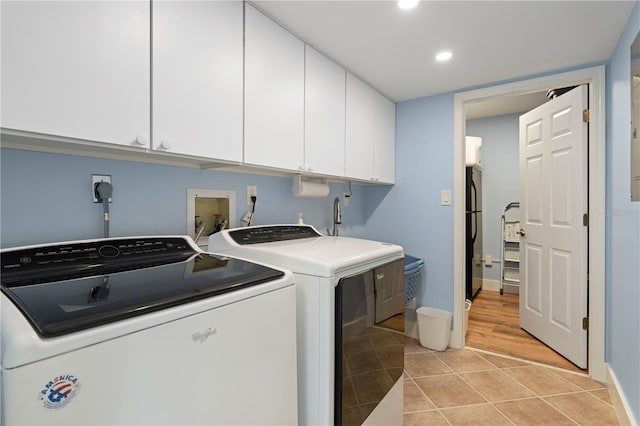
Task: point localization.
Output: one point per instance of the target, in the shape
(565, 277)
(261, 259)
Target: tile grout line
(604, 389)
(485, 398)
(535, 396)
(503, 414)
(554, 371)
(439, 409)
(423, 393)
(560, 410)
(487, 402)
(435, 407)
(472, 387)
(541, 397)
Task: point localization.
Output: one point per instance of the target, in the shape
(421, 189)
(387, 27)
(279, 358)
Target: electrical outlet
(345, 198)
(252, 191)
(95, 180)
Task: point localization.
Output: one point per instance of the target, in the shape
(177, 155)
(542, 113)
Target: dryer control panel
(269, 234)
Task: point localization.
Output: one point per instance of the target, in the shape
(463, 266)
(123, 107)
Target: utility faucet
(337, 216)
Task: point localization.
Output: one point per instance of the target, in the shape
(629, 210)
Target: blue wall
(410, 212)
(500, 180)
(46, 198)
(622, 227)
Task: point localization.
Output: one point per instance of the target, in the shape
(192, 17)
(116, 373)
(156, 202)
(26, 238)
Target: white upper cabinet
(324, 122)
(77, 69)
(274, 94)
(370, 134)
(384, 139)
(214, 80)
(359, 131)
(197, 78)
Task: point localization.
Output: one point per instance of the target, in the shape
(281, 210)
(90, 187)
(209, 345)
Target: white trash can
(434, 328)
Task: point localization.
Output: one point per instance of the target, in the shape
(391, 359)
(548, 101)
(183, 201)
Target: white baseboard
(619, 401)
(494, 285)
(491, 285)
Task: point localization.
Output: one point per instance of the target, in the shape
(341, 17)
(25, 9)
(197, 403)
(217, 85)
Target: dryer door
(389, 290)
(369, 359)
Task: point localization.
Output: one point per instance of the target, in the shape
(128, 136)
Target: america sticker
(59, 391)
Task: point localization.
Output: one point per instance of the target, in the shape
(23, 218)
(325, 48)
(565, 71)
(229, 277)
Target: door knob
(521, 232)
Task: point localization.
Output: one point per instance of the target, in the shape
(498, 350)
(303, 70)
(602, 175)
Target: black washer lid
(89, 299)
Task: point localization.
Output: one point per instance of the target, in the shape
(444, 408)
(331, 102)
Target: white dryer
(144, 330)
(349, 368)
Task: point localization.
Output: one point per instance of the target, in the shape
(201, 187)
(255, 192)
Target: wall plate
(95, 180)
(252, 190)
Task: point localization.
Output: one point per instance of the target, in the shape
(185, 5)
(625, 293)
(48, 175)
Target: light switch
(445, 197)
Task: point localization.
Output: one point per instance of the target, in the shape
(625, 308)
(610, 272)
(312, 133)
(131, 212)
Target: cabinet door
(274, 94)
(324, 122)
(359, 130)
(77, 69)
(384, 139)
(197, 78)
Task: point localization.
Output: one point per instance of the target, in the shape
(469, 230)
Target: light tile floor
(467, 387)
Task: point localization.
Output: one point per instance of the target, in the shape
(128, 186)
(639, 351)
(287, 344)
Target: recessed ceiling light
(407, 4)
(443, 56)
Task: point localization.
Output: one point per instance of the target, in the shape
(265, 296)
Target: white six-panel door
(553, 247)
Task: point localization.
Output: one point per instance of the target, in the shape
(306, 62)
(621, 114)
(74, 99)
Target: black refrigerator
(473, 207)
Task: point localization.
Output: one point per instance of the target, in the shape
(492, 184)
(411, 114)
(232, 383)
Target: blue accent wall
(622, 226)
(410, 213)
(47, 198)
(500, 180)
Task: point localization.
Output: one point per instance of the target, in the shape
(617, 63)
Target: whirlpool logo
(201, 336)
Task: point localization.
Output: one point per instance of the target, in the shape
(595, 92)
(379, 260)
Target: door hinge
(585, 323)
(585, 219)
(585, 115)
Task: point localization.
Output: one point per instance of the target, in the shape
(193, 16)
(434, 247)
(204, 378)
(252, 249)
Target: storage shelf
(510, 265)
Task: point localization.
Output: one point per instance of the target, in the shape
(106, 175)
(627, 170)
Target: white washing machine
(349, 367)
(144, 330)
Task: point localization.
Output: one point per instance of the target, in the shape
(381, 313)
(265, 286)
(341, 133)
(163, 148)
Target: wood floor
(494, 326)
(394, 323)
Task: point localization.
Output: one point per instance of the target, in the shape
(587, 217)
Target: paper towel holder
(310, 188)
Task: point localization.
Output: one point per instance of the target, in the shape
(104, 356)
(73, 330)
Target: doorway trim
(595, 78)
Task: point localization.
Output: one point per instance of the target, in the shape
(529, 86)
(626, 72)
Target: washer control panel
(95, 254)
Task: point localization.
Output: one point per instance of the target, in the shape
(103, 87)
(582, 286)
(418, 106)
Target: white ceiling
(492, 41)
(516, 104)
